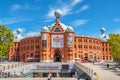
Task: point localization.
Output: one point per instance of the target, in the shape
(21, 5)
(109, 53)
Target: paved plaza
(104, 72)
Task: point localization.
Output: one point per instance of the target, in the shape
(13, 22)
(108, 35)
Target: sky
(87, 17)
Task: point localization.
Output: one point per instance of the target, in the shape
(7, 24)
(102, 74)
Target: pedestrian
(2, 75)
(107, 65)
(93, 61)
(49, 76)
(9, 74)
(5, 75)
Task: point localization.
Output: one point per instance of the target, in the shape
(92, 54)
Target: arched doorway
(57, 56)
(86, 56)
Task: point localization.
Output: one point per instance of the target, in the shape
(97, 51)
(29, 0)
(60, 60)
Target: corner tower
(45, 45)
(70, 44)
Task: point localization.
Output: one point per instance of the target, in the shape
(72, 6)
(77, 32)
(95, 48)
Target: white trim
(53, 61)
(46, 60)
(68, 61)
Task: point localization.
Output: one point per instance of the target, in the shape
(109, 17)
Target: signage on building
(70, 40)
(57, 41)
(44, 40)
(49, 67)
(44, 36)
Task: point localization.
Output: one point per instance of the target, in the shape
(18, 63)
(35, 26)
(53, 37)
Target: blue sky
(85, 16)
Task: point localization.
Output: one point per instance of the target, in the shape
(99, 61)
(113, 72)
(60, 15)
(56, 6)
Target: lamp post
(2, 38)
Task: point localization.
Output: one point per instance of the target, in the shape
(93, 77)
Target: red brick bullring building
(59, 43)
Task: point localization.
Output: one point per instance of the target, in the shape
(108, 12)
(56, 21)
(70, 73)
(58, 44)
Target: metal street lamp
(2, 38)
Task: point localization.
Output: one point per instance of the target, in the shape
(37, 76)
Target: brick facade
(83, 47)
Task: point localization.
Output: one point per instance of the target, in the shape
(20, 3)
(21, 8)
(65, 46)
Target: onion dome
(102, 30)
(45, 29)
(70, 29)
(103, 36)
(58, 13)
(19, 31)
(63, 26)
(18, 36)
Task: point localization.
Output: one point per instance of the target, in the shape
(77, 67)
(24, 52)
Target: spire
(45, 23)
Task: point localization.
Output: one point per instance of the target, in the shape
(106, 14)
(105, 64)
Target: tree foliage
(6, 40)
(114, 41)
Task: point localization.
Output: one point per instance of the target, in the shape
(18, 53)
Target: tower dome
(18, 35)
(102, 30)
(19, 31)
(70, 29)
(58, 13)
(45, 29)
(103, 36)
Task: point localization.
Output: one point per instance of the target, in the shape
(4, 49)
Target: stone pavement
(103, 72)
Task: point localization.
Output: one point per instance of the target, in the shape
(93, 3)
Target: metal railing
(87, 70)
(11, 66)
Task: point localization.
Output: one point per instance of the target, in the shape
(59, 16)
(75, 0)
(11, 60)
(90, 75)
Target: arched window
(57, 30)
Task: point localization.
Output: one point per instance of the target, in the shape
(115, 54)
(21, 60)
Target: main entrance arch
(57, 55)
(86, 56)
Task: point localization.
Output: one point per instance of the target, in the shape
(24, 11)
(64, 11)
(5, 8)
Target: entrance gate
(57, 56)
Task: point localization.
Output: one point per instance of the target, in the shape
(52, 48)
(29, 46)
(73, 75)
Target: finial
(102, 30)
(57, 14)
(19, 31)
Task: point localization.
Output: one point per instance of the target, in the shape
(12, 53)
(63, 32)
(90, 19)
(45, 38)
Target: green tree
(6, 40)
(114, 41)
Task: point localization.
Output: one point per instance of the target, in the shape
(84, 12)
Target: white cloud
(13, 20)
(83, 8)
(79, 22)
(116, 19)
(26, 6)
(31, 34)
(51, 12)
(65, 8)
(76, 2)
(16, 7)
